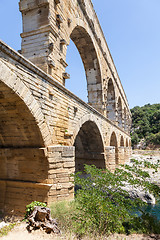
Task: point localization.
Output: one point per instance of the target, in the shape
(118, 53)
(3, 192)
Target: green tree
(145, 123)
(135, 139)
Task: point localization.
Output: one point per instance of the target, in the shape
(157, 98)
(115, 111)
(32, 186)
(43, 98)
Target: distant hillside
(146, 125)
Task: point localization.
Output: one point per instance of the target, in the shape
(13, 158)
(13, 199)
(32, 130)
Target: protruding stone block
(59, 18)
(69, 21)
(51, 63)
(57, 1)
(63, 62)
(66, 75)
(63, 42)
(50, 46)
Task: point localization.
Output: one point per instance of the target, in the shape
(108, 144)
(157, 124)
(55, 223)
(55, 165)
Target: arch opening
(22, 159)
(111, 103)
(114, 143)
(89, 147)
(122, 142)
(119, 108)
(18, 127)
(86, 49)
(125, 119)
(126, 142)
(77, 82)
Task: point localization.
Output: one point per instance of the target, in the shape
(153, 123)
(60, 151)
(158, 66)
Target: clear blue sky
(132, 31)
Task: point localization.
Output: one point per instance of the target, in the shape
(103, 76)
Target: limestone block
(69, 164)
(68, 152)
(63, 180)
(121, 155)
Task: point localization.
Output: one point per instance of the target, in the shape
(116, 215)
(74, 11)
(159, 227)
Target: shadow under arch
(18, 89)
(126, 142)
(111, 102)
(125, 118)
(119, 112)
(89, 148)
(114, 143)
(87, 51)
(122, 142)
(24, 166)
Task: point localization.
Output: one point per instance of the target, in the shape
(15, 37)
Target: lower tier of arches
(18, 185)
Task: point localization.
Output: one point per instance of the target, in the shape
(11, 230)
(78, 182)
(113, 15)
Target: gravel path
(20, 233)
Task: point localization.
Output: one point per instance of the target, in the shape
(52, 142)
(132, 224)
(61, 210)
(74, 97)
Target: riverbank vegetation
(146, 125)
(104, 206)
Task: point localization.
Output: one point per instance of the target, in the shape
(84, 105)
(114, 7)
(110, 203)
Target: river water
(154, 210)
(152, 157)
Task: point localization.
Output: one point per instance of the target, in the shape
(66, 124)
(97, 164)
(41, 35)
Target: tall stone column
(61, 166)
(121, 155)
(126, 154)
(110, 158)
(43, 41)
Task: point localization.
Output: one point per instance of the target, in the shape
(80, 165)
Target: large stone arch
(89, 144)
(24, 165)
(87, 50)
(111, 102)
(15, 84)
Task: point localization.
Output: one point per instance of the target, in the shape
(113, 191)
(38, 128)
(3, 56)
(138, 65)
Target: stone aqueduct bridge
(46, 132)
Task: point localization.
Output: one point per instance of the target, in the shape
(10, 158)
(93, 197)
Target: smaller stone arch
(78, 125)
(121, 141)
(121, 151)
(89, 148)
(129, 123)
(111, 102)
(126, 142)
(119, 112)
(113, 140)
(114, 143)
(125, 118)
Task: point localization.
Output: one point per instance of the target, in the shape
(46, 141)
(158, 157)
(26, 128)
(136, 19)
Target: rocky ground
(19, 232)
(150, 156)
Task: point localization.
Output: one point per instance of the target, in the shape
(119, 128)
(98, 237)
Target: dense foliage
(146, 124)
(105, 205)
